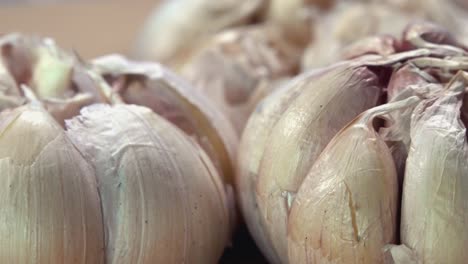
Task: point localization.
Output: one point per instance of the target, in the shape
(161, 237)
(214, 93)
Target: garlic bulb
(176, 26)
(49, 205)
(326, 104)
(346, 208)
(434, 204)
(234, 64)
(162, 199)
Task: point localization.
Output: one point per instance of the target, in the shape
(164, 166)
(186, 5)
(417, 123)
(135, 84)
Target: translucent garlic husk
(49, 204)
(156, 87)
(323, 107)
(434, 204)
(58, 78)
(234, 64)
(250, 154)
(175, 27)
(162, 199)
(346, 208)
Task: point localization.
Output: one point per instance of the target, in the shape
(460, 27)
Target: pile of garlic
(340, 139)
(110, 161)
(365, 160)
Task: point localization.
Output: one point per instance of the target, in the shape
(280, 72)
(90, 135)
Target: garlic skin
(234, 64)
(346, 208)
(175, 26)
(304, 129)
(154, 86)
(251, 150)
(49, 205)
(434, 204)
(162, 199)
(250, 154)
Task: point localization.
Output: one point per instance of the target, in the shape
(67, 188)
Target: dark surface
(243, 250)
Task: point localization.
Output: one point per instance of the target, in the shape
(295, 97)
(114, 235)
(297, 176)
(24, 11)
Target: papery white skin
(50, 210)
(435, 203)
(162, 199)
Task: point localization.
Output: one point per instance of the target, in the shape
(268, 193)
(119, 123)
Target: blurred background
(94, 27)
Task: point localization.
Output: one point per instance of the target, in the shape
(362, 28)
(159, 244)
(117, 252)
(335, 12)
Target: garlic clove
(251, 150)
(304, 129)
(434, 215)
(234, 64)
(162, 199)
(346, 208)
(250, 153)
(49, 205)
